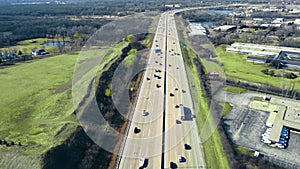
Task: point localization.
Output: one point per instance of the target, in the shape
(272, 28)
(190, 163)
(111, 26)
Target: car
(145, 113)
(183, 91)
(143, 163)
(176, 89)
(173, 165)
(178, 121)
(180, 158)
(187, 147)
(157, 70)
(158, 77)
(171, 95)
(158, 86)
(176, 106)
(177, 68)
(148, 78)
(170, 65)
(156, 61)
(136, 130)
(154, 75)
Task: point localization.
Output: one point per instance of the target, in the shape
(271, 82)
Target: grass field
(236, 90)
(214, 154)
(29, 45)
(227, 109)
(213, 67)
(236, 67)
(36, 101)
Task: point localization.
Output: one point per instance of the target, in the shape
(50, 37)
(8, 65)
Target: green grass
(29, 45)
(130, 58)
(244, 150)
(36, 99)
(237, 68)
(235, 90)
(214, 154)
(36, 102)
(227, 108)
(258, 98)
(212, 67)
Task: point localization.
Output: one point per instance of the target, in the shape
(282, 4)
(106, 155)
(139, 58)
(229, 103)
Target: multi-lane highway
(159, 135)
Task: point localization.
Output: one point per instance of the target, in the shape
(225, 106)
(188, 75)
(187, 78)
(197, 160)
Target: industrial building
(287, 59)
(285, 117)
(281, 120)
(277, 56)
(259, 49)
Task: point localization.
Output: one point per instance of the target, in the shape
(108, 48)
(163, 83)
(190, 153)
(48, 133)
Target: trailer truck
(182, 114)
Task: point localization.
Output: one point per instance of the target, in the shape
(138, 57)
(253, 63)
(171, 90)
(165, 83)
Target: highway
(161, 133)
(186, 132)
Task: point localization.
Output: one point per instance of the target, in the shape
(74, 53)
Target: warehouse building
(284, 117)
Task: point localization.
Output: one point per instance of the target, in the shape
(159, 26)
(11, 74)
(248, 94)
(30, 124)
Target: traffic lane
(133, 161)
(138, 142)
(175, 131)
(194, 131)
(187, 129)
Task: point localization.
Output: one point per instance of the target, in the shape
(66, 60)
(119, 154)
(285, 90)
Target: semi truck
(182, 114)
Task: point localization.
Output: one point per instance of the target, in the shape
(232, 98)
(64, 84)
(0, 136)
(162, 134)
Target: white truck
(182, 114)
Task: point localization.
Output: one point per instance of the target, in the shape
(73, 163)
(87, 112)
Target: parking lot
(245, 127)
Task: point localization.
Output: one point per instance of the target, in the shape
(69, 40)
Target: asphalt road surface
(165, 74)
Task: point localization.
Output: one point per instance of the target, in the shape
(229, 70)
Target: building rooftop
(225, 27)
(288, 117)
(271, 119)
(277, 126)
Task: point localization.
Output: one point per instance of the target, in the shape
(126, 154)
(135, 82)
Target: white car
(142, 162)
(180, 158)
(145, 113)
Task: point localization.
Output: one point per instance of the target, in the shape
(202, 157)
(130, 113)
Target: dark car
(136, 130)
(171, 94)
(158, 77)
(187, 147)
(148, 78)
(178, 122)
(173, 165)
(176, 106)
(158, 86)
